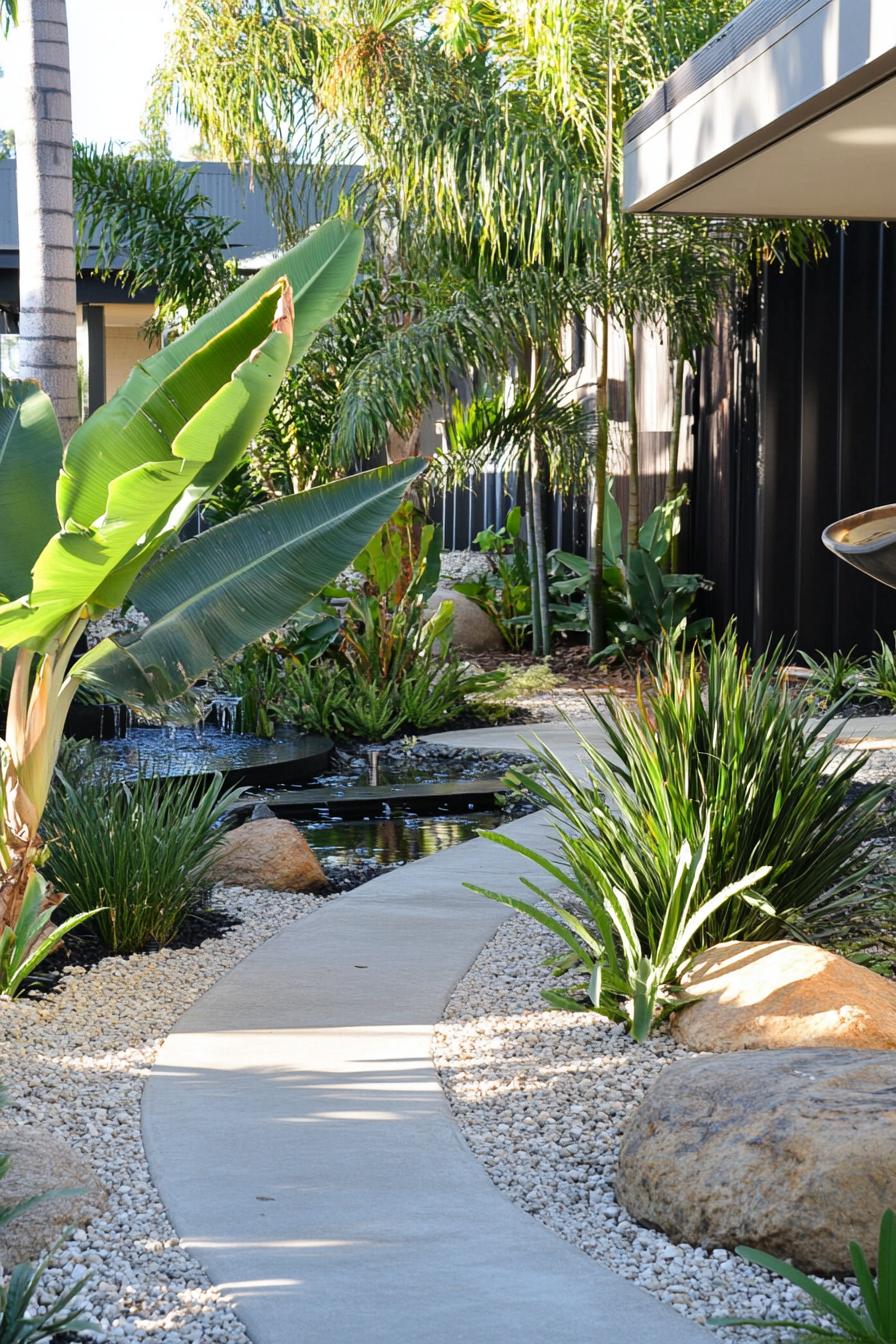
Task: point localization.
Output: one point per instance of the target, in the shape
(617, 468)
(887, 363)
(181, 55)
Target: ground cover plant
(714, 761)
(80, 528)
(136, 852)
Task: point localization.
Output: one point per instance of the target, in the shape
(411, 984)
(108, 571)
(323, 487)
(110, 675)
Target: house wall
(797, 404)
(125, 343)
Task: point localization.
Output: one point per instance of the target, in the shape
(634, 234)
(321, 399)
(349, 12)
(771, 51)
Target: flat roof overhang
(790, 111)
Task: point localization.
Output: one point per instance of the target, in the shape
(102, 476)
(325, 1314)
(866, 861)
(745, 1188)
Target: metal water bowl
(867, 541)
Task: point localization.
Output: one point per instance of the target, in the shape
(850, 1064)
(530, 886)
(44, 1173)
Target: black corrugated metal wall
(797, 427)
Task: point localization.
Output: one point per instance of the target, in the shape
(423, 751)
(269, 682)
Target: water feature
(399, 836)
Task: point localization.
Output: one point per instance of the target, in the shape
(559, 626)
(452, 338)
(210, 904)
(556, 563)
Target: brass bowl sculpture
(867, 541)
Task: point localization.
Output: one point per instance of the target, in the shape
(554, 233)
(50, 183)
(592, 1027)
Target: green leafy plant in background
(141, 850)
(394, 667)
(129, 479)
(632, 950)
(872, 1323)
(500, 702)
(505, 592)
(259, 673)
(835, 677)
(642, 602)
(879, 673)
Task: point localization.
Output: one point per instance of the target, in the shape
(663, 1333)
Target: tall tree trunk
(536, 473)
(597, 616)
(634, 469)
(48, 321)
(531, 547)
(597, 626)
(674, 442)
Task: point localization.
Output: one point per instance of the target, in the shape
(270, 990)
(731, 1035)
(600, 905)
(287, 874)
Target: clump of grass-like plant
(873, 1321)
(716, 807)
(141, 850)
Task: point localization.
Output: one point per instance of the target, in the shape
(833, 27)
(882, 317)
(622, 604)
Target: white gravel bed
(74, 1062)
(541, 1097)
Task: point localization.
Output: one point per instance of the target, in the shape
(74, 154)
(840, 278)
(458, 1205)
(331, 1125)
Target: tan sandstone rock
(772, 996)
(270, 853)
(38, 1161)
(471, 629)
(790, 1151)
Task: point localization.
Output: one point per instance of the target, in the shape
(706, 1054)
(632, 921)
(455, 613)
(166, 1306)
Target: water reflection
(399, 838)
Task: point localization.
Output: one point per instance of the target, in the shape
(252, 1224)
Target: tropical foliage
(129, 479)
(492, 139)
(644, 603)
(630, 933)
(144, 219)
(720, 811)
(505, 591)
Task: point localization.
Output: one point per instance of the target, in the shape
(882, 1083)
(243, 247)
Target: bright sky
(115, 46)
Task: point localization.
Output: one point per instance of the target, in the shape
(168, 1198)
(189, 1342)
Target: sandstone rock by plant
(40, 1162)
(790, 1151)
(472, 630)
(779, 995)
(268, 854)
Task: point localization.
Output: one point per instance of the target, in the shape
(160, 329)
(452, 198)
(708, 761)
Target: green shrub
(499, 702)
(835, 677)
(505, 592)
(643, 603)
(716, 761)
(879, 676)
(872, 1323)
(338, 697)
(142, 850)
(631, 960)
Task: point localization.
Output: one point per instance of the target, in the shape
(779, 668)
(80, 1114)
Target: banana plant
(86, 528)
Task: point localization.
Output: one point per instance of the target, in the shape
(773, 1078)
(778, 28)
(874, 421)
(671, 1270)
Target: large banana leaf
(96, 566)
(163, 392)
(30, 457)
(211, 596)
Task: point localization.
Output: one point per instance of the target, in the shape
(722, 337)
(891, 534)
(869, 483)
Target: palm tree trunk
(47, 305)
(536, 472)
(531, 547)
(672, 474)
(597, 631)
(634, 482)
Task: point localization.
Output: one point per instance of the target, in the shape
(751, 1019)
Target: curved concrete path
(298, 1134)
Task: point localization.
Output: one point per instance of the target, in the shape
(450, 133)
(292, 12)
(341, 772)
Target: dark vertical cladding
(797, 414)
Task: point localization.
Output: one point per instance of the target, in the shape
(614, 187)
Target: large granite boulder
(267, 854)
(471, 630)
(38, 1162)
(790, 1151)
(772, 996)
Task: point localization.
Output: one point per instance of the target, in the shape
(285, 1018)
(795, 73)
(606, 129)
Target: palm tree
(47, 305)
